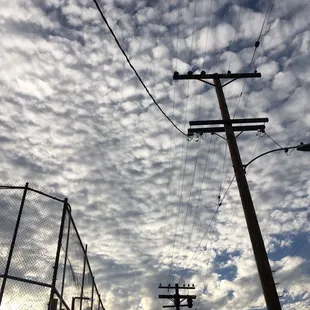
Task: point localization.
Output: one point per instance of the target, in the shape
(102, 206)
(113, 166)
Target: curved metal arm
(275, 150)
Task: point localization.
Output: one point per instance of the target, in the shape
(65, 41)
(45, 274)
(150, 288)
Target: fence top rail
(11, 187)
(33, 190)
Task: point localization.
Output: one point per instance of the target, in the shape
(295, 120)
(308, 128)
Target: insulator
(257, 44)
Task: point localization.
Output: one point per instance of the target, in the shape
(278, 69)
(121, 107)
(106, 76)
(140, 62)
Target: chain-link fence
(43, 263)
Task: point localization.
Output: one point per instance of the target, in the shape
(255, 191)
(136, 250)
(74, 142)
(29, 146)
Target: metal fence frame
(55, 294)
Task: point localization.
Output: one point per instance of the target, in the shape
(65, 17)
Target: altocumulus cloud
(74, 118)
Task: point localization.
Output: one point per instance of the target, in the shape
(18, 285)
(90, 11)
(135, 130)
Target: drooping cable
(133, 68)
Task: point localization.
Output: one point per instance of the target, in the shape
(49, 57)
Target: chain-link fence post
(99, 301)
(6, 272)
(63, 217)
(66, 256)
(92, 293)
(83, 277)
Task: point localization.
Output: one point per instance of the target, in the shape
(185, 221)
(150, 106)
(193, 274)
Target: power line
(181, 184)
(205, 50)
(189, 198)
(222, 177)
(256, 45)
(204, 235)
(237, 29)
(194, 26)
(302, 282)
(174, 95)
(200, 191)
(179, 209)
(133, 68)
(170, 176)
(300, 247)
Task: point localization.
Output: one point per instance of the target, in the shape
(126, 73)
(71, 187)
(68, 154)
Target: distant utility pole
(262, 262)
(176, 298)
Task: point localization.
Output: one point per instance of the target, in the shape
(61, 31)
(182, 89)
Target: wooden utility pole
(261, 257)
(176, 298)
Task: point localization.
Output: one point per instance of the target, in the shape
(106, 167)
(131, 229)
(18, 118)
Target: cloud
(75, 119)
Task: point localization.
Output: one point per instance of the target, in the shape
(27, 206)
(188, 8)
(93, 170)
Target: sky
(75, 120)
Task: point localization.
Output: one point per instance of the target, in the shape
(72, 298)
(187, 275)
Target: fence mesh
(22, 296)
(29, 281)
(9, 206)
(36, 242)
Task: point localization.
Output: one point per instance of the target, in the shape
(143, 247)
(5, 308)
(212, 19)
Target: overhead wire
(307, 301)
(299, 248)
(199, 195)
(171, 135)
(186, 106)
(189, 198)
(202, 238)
(237, 29)
(307, 260)
(179, 210)
(222, 173)
(257, 44)
(291, 255)
(181, 183)
(170, 176)
(205, 49)
(207, 230)
(193, 31)
(272, 139)
(134, 70)
(199, 107)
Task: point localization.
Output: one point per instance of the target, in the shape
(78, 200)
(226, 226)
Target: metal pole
(99, 301)
(264, 270)
(62, 224)
(177, 297)
(83, 277)
(92, 293)
(72, 303)
(65, 260)
(6, 272)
